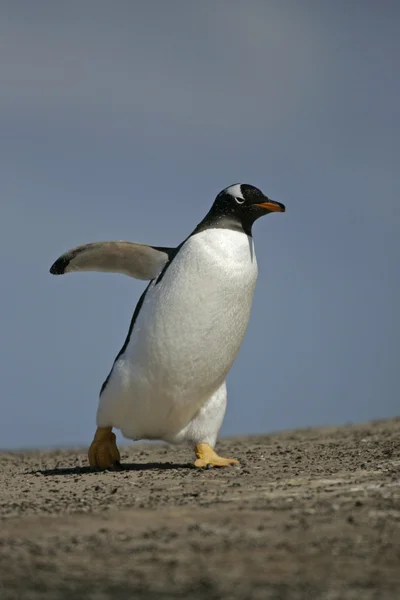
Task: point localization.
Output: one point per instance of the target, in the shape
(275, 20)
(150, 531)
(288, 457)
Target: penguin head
(242, 204)
(244, 198)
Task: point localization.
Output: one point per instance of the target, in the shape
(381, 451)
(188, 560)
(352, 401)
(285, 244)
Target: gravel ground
(310, 514)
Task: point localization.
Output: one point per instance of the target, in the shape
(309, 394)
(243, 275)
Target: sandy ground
(312, 514)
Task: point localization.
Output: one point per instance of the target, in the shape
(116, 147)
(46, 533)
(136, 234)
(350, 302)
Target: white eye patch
(236, 192)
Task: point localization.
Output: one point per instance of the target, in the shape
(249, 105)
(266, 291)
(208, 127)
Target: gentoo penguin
(168, 380)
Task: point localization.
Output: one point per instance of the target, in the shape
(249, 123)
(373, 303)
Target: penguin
(168, 381)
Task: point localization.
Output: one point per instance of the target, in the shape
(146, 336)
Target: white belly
(186, 337)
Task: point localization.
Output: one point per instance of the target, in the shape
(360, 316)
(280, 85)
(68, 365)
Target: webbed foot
(206, 457)
(103, 451)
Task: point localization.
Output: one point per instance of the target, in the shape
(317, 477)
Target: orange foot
(206, 457)
(103, 451)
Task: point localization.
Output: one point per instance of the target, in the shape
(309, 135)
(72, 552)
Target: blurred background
(123, 120)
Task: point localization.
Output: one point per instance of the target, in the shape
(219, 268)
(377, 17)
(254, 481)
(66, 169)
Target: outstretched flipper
(135, 260)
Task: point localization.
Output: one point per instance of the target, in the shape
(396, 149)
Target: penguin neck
(216, 220)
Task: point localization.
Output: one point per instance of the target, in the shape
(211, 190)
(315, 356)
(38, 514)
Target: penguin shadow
(150, 466)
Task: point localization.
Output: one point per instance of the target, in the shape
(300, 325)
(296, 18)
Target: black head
(238, 206)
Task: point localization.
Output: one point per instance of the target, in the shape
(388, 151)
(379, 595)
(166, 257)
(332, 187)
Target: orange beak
(272, 206)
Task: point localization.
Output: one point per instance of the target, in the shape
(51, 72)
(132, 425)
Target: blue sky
(123, 120)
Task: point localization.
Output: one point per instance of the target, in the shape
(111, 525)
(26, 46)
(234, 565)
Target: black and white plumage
(168, 381)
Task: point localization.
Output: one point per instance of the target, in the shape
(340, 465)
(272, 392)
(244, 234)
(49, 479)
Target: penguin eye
(239, 200)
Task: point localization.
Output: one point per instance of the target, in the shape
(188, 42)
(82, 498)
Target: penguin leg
(103, 451)
(203, 429)
(206, 426)
(207, 457)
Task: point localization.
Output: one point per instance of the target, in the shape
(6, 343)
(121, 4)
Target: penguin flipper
(135, 260)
